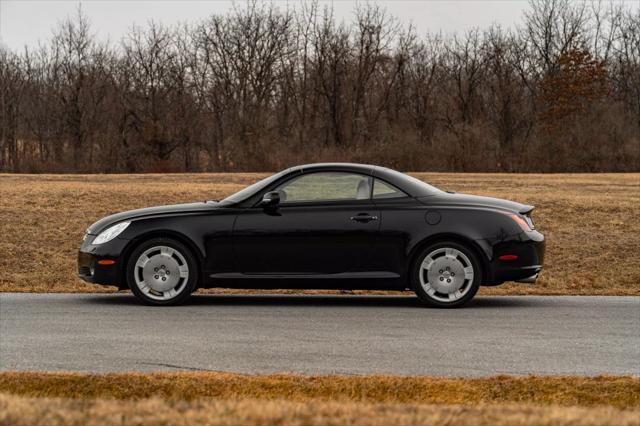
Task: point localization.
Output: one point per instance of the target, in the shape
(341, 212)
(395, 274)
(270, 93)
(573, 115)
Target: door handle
(363, 217)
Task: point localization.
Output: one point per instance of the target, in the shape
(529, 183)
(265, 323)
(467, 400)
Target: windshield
(247, 192)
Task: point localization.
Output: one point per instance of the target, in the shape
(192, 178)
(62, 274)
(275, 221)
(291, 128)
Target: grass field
(22, 411)
(223, 398)
(591, 222)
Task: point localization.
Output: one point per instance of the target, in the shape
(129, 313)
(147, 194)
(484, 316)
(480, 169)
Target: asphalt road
(322, 335)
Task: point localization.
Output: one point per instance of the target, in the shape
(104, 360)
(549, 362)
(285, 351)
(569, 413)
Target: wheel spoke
(167, 251)
(451, 253)
(142, 261)
(184, 271)
(468, 272)
(427, 263)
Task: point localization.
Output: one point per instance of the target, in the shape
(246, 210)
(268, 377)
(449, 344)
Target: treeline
(262, 88)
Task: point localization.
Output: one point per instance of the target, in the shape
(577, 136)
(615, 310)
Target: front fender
(209, 235)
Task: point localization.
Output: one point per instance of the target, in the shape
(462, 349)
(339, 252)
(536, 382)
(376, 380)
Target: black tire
(473, 285)
(186, 289)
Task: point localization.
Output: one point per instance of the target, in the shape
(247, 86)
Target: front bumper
(528, 248)
(92, 271)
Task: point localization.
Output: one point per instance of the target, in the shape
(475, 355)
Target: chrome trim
(529, 280)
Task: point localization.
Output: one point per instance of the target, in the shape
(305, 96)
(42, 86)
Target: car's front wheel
(446, 275)
(162, 271)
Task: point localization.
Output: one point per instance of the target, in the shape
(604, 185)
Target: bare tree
(332, 47)
(11, 89)
(553, 27)
(261, 88)
(505, 95)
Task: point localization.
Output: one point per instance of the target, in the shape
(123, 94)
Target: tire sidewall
(415, 275)
(191, 263)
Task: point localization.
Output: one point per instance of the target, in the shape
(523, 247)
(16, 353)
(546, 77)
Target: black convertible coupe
(319, 226)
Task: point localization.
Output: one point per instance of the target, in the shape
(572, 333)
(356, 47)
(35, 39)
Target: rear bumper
(529, 280)
(527, 248)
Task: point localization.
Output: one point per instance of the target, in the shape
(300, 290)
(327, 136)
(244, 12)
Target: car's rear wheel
(446, 275)
(162, 271)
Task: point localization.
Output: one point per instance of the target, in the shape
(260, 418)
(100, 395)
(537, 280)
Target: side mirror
(270, 199)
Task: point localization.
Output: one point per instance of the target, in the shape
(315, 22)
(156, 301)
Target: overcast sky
(28, 21)
(25, 22)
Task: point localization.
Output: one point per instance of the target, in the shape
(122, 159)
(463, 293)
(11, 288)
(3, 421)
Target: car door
(325, 224)
(402, 219)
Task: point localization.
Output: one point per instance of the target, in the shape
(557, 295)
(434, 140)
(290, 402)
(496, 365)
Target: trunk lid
(468, 200)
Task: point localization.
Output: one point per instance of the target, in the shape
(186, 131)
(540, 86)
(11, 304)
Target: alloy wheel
(161, 272)
(446, 274)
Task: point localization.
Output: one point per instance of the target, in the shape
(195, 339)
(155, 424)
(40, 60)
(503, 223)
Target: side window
(385, 190)
(326, 186)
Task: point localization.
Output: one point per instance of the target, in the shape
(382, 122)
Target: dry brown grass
(233, 399)
(590, 221)
(620, 392)
(19, 411)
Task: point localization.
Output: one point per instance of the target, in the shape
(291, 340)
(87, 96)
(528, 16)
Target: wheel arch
(457, 238)
(136, 242)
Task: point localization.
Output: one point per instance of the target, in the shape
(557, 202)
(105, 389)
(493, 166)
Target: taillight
(521, 222)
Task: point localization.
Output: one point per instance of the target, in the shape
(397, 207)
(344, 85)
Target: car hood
(467, 200)
(107, 221)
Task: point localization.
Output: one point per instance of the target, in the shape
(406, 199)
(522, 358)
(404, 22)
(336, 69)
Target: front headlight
(110, 233)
